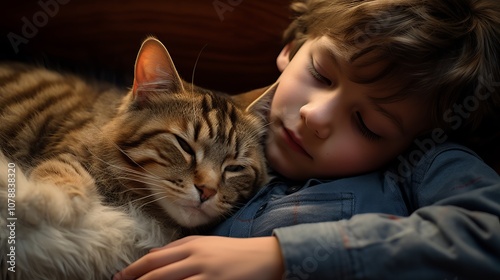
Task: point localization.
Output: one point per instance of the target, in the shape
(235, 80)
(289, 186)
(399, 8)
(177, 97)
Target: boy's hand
(210, 257)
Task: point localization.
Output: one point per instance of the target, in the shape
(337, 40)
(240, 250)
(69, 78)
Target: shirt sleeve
(453, 234)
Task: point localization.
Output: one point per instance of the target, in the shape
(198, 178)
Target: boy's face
(323, 125)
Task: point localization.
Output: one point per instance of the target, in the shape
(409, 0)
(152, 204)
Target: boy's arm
(454, 235)
(457, 238)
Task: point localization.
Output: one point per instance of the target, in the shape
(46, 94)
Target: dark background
(237, 40)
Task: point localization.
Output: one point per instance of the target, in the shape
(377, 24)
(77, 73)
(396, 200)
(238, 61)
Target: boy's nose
(318, 118)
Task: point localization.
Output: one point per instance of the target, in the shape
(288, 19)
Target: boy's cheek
(275, 160)
(283, 163)
(287, 101)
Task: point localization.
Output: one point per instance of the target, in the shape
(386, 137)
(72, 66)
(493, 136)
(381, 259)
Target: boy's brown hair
(445, 50)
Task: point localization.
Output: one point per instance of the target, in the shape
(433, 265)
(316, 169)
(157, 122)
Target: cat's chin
(190, 214)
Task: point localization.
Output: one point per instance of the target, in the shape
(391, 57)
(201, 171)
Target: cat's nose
(205, 192)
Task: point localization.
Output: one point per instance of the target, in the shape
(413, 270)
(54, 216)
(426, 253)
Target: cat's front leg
(58, 190)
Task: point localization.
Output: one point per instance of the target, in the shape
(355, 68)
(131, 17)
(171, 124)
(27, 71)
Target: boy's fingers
(177, 242)
(175, 271)
(150, 262)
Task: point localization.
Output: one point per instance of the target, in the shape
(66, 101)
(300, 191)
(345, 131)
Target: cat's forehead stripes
(141, 138)
(206, 108)
(219, 115)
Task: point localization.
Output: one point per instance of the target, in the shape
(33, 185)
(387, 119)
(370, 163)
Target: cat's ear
(154, 69)
(262, 105)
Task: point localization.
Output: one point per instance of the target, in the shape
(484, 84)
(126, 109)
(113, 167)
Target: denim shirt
(280, 204)
(372, 226)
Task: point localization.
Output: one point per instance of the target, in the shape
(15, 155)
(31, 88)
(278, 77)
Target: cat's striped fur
(103, 175)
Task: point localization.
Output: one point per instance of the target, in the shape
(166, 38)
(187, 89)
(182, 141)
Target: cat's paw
(57, 191)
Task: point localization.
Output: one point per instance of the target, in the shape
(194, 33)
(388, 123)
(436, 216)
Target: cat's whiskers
(234, 204)
(130, 171)
(192, 74)
(145, 197)
(139, 180)
(153, 201)
(103, 161)
(256, 133)
(228, 209)
(140, 175)
(120, 150)
(124, 191)
(142, 197)
(225, 214)
(194, 67)
(151, 184)
(125, 154)
(266, 125)
(156, 180)
(134, 175)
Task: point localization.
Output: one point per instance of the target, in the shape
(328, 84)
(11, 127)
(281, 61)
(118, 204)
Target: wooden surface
(237, 40)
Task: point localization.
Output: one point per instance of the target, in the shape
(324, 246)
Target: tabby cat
(110, 174)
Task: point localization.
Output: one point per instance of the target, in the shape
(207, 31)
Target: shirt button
(260, 210)
(292, 189)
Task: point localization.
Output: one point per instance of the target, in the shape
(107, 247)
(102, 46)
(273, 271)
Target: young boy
(382, 85)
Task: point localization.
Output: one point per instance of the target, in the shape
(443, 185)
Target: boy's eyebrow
(335, 59)
(333, 56)
(330, 51)
(395, 119)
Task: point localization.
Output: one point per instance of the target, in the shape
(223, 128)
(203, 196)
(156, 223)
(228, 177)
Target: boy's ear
(284, 57)
(154, 68)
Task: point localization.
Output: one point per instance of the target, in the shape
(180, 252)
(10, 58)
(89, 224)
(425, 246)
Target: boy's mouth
(294, 142)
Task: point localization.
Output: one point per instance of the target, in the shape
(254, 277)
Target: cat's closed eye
(234, 168)
(184, 145)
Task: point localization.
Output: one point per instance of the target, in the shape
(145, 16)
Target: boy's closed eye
(316, 75)
(358, 118)
(365, 131)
